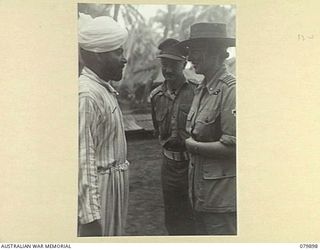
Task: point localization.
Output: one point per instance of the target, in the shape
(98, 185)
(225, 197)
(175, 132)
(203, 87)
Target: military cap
(168, 49)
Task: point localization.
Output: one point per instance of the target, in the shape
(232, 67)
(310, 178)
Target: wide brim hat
(168, 49)
(215, 32)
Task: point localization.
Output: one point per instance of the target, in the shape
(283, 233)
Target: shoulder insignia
(229, 80)
(156, 91)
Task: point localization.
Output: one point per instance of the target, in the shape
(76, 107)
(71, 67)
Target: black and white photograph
(132, 124)
(157, 120)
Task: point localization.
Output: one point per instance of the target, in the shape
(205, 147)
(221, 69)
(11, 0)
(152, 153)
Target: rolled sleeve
(228, 115)
(88, 195)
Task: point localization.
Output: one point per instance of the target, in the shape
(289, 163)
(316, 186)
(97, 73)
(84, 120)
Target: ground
(145, 212)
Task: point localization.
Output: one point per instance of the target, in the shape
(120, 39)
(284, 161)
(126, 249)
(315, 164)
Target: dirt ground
(145, 212)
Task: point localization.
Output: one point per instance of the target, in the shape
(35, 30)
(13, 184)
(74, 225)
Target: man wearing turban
(103, 168)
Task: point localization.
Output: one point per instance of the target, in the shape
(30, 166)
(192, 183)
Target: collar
(93, 76)
(166, 91)
(211, 84)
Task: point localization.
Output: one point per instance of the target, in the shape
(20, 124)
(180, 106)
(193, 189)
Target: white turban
(100, 34)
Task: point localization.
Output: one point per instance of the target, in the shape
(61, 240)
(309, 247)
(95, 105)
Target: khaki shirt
(169, 115)
(212, 118)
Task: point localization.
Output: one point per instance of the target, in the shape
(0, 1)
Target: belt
(113, 167)
(176, 156)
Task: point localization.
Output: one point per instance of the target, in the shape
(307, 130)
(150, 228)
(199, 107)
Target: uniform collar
(165, 90)
(93, 76)
(211, 84)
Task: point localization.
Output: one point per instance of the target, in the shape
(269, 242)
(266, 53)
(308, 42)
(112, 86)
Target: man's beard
(114, 75)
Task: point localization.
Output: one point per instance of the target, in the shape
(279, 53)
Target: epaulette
(229, 80)
(156, 91)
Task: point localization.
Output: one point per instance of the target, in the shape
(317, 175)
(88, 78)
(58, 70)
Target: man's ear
(223, 55)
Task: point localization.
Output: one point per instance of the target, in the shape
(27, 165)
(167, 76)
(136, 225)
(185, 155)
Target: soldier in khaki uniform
(171, 103)
(211, 124)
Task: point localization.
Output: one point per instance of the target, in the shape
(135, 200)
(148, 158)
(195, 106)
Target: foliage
(176, 21)
(145, 35)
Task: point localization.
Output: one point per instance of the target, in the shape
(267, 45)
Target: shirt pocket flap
(219, 168)
(208, 116)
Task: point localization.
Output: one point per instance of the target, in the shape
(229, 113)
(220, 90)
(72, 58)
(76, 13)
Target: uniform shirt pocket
(162, 121)
(189, 120)
(219, 168)
(161, 114)
(208, 127)
(182, 115)
(219, 186)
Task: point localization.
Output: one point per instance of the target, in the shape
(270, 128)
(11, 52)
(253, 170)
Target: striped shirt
(102, 143)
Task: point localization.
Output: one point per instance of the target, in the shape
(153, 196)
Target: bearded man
(103, 167)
